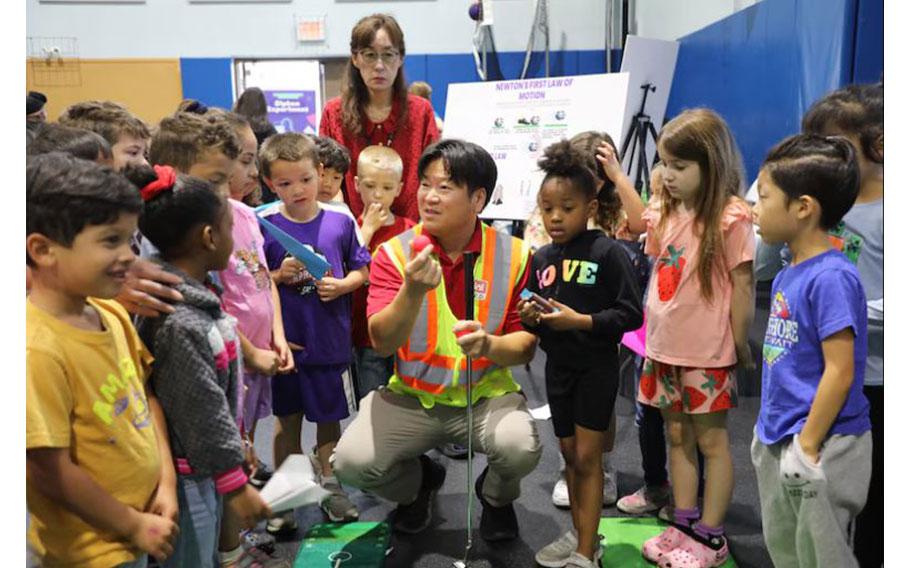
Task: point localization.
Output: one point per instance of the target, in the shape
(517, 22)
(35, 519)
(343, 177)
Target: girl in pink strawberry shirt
(699, 309)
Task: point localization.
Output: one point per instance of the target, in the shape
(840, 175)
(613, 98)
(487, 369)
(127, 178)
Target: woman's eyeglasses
(371, 57)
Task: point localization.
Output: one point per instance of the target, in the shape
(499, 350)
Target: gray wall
(178, 28)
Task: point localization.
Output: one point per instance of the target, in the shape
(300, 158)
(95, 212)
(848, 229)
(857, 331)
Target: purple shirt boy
(322, 328)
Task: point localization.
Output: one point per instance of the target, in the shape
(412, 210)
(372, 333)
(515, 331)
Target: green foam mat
(624, 537)
(348, 545)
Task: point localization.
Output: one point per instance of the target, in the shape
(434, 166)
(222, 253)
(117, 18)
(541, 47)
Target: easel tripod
(637, 136)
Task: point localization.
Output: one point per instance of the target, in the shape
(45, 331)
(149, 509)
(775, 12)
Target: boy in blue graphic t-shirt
(812, 446)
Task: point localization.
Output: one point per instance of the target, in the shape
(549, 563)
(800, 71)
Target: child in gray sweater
(196, 370)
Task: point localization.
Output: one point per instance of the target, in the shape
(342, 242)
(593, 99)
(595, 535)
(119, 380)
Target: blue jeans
(200, 520)
(371, 371)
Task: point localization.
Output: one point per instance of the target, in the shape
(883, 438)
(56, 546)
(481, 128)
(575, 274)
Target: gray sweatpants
(806, 508)
(379, 449)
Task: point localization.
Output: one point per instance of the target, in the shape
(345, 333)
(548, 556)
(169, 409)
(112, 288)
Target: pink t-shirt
(247, 289)
(683, 328)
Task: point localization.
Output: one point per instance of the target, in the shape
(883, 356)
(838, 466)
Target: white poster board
(294, 91)
(647, 61)
(516, 120)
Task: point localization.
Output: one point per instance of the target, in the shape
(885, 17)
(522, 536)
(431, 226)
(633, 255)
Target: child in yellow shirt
(99, 480)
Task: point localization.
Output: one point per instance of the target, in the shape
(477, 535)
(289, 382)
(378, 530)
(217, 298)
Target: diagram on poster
(516, 120)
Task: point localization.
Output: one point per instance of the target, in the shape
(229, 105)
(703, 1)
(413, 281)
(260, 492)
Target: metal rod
(469, 258)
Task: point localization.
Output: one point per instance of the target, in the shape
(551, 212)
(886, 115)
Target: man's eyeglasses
(371, 57)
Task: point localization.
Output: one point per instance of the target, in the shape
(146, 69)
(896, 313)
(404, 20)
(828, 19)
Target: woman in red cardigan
(375, 108)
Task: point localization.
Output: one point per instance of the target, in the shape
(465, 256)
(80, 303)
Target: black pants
(653, 444)
(869, 537)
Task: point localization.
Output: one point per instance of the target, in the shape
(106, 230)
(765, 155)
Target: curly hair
(609, 208)
(109, 119)
(182, 138)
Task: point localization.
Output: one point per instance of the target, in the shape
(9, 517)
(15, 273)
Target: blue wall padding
(208, 80)
(870, 49)
(762, 68)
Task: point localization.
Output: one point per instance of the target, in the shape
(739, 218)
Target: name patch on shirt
(480, 289)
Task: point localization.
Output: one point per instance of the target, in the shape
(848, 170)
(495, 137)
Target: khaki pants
(379, 450)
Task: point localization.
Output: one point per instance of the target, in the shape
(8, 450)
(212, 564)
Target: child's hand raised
(375, 217)
(608, 159)
(247, 506)
(529, 313)
(565, 318)
(154, 535)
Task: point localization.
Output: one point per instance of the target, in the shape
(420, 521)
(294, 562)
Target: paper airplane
(315, 264)
(293, 485)
(541, 413)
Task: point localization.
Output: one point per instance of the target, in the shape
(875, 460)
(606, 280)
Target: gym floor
(540, 522)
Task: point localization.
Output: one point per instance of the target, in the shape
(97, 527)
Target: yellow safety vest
(430, 364)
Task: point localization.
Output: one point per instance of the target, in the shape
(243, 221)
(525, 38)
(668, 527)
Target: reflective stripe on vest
(430, 362)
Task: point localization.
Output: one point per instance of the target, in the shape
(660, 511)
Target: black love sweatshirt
(593, 275)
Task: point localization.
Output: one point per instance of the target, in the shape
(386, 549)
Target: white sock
(230, 557)
(606, 461)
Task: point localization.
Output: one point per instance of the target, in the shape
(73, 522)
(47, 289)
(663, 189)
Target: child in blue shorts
(316, 313)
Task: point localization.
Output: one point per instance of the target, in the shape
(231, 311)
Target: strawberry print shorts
(687, 389)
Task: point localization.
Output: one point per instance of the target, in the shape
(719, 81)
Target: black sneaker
(453, 451)
(496, 523)
(416, 516)
(261, 476)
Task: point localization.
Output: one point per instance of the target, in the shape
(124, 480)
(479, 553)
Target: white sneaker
(561, 492)
(558, 553)
(610, 491)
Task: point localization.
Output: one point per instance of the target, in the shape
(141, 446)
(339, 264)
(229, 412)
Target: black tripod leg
(642, 169)
(653, 132)
(631, 137)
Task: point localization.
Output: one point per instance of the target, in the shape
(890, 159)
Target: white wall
(672, 19)
(176, 28)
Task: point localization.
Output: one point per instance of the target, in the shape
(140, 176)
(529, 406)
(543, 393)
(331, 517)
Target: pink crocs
(655, 548)
(690, 553)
